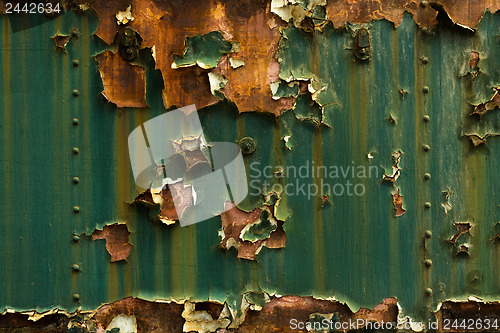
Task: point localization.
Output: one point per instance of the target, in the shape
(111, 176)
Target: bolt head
(428, 263)
(426, 147)
(76, 238)
(76, 62)
(424, 3)
(76, 92)
(427, 118)
(75, 121)
(76, 297)
(247, 145)
(428, 234)
(76, 150)
(427, 176)
(424, 60)
(427, 204)
(76, 209)
(75, 267)
(428, 292)
(76, 180)
(425, 89)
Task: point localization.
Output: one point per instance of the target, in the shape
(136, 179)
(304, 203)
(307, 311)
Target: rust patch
(116, 236)
(154, 317)
(124, 83)
(275, 315)
(61, 41)
(477, 140)
(397, 199)
(463, 313)
(468, 15)
(167, 214)
(234, 221)
(462, 228)
(164, 25)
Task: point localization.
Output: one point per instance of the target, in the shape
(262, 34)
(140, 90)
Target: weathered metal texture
(425, 230)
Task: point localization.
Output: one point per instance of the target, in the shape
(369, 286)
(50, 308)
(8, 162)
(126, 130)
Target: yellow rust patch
(124, 83)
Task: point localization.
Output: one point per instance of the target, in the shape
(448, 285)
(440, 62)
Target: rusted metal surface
(327, 83)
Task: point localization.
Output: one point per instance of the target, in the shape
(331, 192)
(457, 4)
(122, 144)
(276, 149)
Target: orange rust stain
(116, 236)
(124, 84)
(397, 199)
(233, 222)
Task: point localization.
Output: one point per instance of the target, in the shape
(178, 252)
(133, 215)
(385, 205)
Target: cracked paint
(124, 17)
(462, 228)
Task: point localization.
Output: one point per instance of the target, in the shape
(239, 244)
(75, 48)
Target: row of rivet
(76, 209)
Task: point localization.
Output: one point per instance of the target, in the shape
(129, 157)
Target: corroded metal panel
(369, 132)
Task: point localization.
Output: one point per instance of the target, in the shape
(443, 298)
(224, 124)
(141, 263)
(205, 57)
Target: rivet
(75, 33)
(428, 234)
(427, 118)
(76, 180)
(76, 92)
(427, 176)
(75, 121)
(75, 267)
(425, 89)
(428, 292)
(428, 263)
(427, 204)
(424, 3)
(76, 209)
(424, 60)
(76, 297)
(76, 150)
(76, 238)
(76, 63)
(247, 145)
(426, 147)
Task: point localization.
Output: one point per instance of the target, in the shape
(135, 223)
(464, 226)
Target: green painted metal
(352, 248)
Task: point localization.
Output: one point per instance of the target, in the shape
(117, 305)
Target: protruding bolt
(75, 121)
(76, 180)
(427, 234)
(76, 92)
(76, 297)
(426, 147)
(428, 292)
(425, 89)
(76, 209)
(75, 267)
(75, 33)
(247, 145)
(427, 204)
(76, 238)
(428, 263)
(424, 3)
(425, 60)
(427, 118)
(427, 176)
(76, 63)
(76, 150)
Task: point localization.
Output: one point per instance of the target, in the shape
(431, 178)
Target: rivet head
(76, 297)
(75, 33)
(428, 292)
(428, 263)
(75, 267)
(76, 238)
(76, 150)
(425, 89)
(424, 3)
(428, 234)
(76, 63)
(76, 92)
(75, 121)
(427, 204)
(427, 118)
(426, 147)
(427, 176)
(76, 180)
(247, 145)
(425, 60)
(76, 209)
